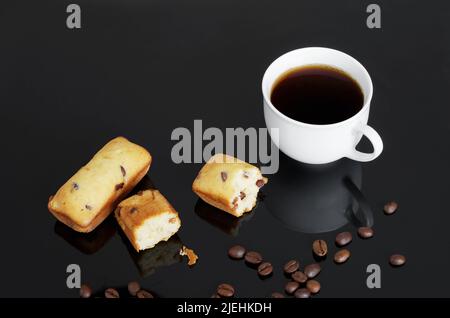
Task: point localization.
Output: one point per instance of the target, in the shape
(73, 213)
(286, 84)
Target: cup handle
(377, 144)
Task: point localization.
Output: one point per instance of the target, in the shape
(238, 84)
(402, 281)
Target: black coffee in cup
(317, 94)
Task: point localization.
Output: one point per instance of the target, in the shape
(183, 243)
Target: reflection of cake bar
(163, 254)
(147, 218)
(229, 184)
(223, 221)
(87, 243)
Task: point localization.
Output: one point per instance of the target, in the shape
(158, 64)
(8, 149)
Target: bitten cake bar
(229, 184)
(92, 193)
(147, 218)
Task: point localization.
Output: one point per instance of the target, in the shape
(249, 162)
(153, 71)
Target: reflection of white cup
(318, 144)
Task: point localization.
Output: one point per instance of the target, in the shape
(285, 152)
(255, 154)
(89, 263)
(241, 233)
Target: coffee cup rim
(367, 99)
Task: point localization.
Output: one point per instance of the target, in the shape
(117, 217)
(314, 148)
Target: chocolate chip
(119, 186)
(235, 202)
(75, 186)
(260, 183)
(88, 207)
(133, 210)
(245, 174)
(124, 172)
(224, 176)
(242, 195)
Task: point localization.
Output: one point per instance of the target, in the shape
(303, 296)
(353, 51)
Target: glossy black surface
(142, 68)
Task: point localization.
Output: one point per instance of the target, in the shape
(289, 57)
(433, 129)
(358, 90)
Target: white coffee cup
(319, 144)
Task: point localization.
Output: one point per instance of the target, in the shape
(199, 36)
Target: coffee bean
(133, 288)
(299, 277)
(144, 294)
(320, 248)
(302, 293)
(236, 252)
(291, 266)
(312, 270)
(111, 293)
(343, 238)
(397, 260)
(291, 287)
(225, 290)
(390, 207)
(277, 295)
(253, 258)
(215, 296)
(313, 286)
(342, 256)
(365, 232)
(85, 291)
(265, 269)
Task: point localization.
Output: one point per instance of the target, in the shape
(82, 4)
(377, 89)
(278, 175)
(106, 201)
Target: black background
(142, 68)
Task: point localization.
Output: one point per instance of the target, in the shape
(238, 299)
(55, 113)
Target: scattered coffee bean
(144, 294)
(277, 295)
(111, 293)
(397, 260)
(365, 232)
(302, 293)
(215, 296)
(390, 207)
(133, 288)
(224, 176)
(343, 238)
(260, 183)
(236, 252)
(320, 248)
(291, 287)
(342, 256)
(253, 258)
(299, 277)
(313, 286)
(265, 269)
(225, 290)
(312, 270)
(85, 291)
(291, 266)
(124, 172)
